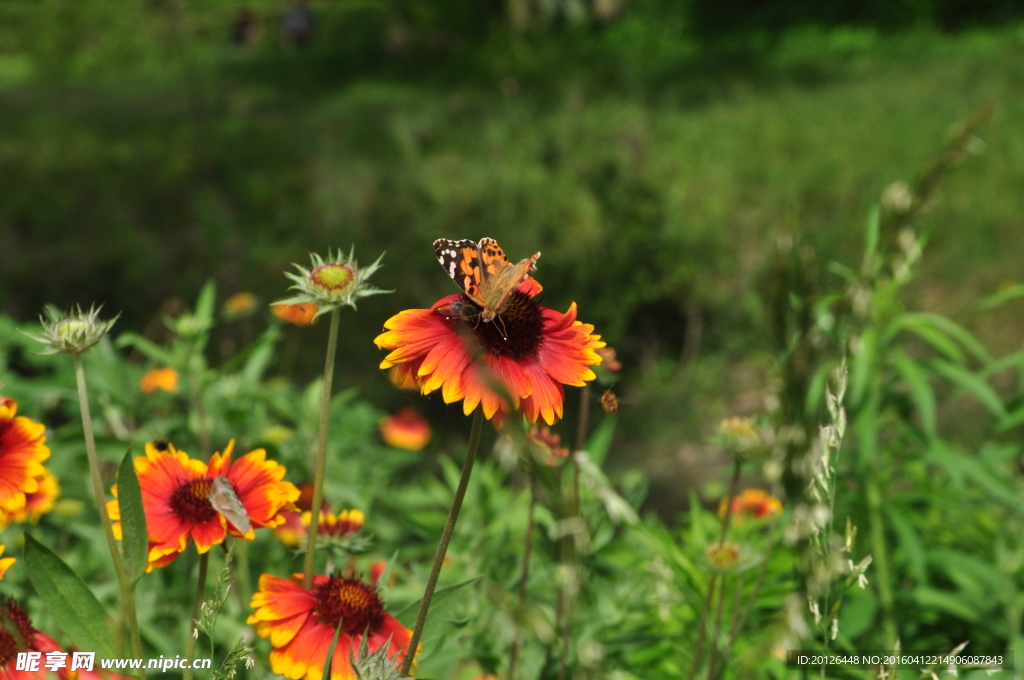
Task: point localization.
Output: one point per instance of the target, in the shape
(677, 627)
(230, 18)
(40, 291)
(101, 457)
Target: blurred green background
(654, 152)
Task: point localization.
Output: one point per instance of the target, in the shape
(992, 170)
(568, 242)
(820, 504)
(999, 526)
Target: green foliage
(135, 541)
(83, 618)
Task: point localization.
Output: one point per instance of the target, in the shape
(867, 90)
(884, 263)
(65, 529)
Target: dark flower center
(15, 630)
(351, 602)
(515, 333)
(191, 502)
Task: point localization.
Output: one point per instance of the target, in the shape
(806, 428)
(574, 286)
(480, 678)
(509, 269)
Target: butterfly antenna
(504, 332)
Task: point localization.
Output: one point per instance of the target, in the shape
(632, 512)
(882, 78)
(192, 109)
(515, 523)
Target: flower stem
(523, 577)
(197, 404)
(706, 615)
(742, 618)
(446, 537)
(127, 594)
(321, 451)
(197, 606)
(563, 616)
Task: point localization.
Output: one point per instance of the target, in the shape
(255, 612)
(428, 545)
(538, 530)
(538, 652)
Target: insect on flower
(483, 272)
(225, 501)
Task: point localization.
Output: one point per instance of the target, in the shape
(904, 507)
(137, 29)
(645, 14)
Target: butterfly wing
(225, 501)
(483, 271)
(492, 259)
(501, 277)
(461, 260)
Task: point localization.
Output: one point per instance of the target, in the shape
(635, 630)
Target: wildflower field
(429, 352)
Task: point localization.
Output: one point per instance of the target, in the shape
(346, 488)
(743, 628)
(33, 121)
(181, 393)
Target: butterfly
(225, 501)
(483, 272)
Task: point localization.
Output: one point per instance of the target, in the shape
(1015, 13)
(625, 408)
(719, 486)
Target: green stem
(446, 537)
(733, 486)
(716, 631)
(197, 607)
(127, 594)
(321, 452)
(568, 553)
(197, 404)
(742, 618)
(702, 633)
(523, 577)
(880, 559)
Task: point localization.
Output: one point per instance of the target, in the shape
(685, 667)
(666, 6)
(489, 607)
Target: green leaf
(1011, 293)
(1013, 361)
(1013, 419)
(82, 617)
(931, 598)
(974, 577)
(862, 366)
(600, 441)
(204, 304)
(873, 230)
(149, 349)
(950, 459)
(440, 605)
(993, 481)
(938, 331)
(330, 650)
(909, 544)
(134, 535)
(972, 383)
(920, 389)
(816, 389)
(261, 356)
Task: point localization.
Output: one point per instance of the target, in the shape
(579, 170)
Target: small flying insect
(609, 402)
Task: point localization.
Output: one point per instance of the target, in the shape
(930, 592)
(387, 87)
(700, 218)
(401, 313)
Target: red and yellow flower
(240, 304)
(547, 446)
(40, 501)
(302, 314)
(301, 624)
(290, 531)
(338, 525)
(165, 379)
(22, 452)
(406, 429)
(176, 492)
(332, 526)
(18, 635)
(6, 562)
(519, 361)
(403, 380)
(754, 503)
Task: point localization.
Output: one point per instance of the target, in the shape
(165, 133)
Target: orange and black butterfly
(484, 273)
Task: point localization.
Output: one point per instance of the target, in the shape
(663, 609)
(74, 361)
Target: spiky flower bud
(73, 332)
(741, 437)
(332, 282)
(723, 556)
